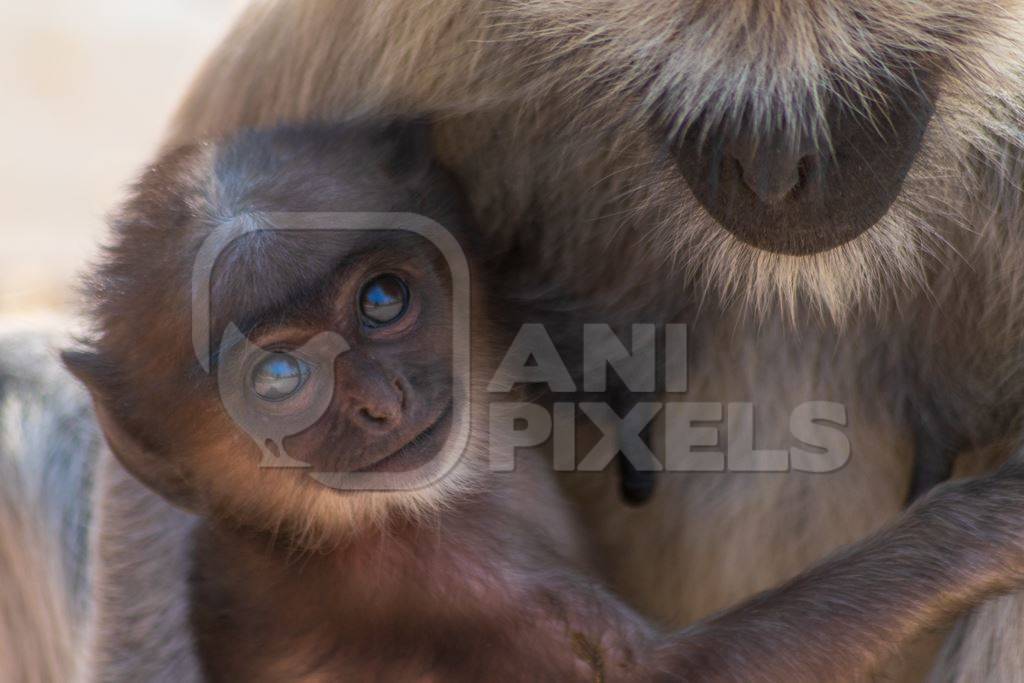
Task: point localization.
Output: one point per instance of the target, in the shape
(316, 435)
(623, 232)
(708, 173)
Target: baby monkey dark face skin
(391, 387)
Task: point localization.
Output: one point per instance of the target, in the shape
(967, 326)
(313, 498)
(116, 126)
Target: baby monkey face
(352, 376)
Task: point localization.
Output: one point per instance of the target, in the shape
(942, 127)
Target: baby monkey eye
(383, 300)
(278, 376)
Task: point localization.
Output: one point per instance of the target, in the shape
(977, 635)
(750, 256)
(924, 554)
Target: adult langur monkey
(827, 191)
(622, 151)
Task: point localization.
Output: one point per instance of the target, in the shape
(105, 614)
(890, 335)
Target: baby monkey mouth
(418, 450)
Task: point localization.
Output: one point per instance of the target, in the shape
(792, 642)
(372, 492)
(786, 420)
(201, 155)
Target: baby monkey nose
(377, 402)
(381, 404)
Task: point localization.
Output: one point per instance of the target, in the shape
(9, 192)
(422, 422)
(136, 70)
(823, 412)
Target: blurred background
(87, 89)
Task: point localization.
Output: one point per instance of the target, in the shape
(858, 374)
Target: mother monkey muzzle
(795, 182)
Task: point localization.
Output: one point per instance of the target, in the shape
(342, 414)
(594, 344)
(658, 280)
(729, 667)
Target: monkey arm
(841, 619)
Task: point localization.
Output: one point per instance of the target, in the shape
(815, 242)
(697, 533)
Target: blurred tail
(35, 609)
(47, 444)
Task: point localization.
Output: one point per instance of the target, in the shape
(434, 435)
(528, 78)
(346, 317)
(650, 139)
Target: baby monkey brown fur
(444, 570)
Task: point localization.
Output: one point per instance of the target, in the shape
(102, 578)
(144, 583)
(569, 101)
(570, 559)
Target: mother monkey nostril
(784, 193)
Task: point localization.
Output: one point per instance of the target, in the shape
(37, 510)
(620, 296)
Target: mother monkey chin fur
(623, 150)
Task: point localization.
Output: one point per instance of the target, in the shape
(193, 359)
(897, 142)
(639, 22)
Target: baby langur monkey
(336, 360)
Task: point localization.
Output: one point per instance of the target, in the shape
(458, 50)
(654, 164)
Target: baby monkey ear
(412, 151)
(157, 472)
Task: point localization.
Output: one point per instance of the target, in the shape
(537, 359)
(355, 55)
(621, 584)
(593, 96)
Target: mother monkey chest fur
(827, 193)
(839, 226)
